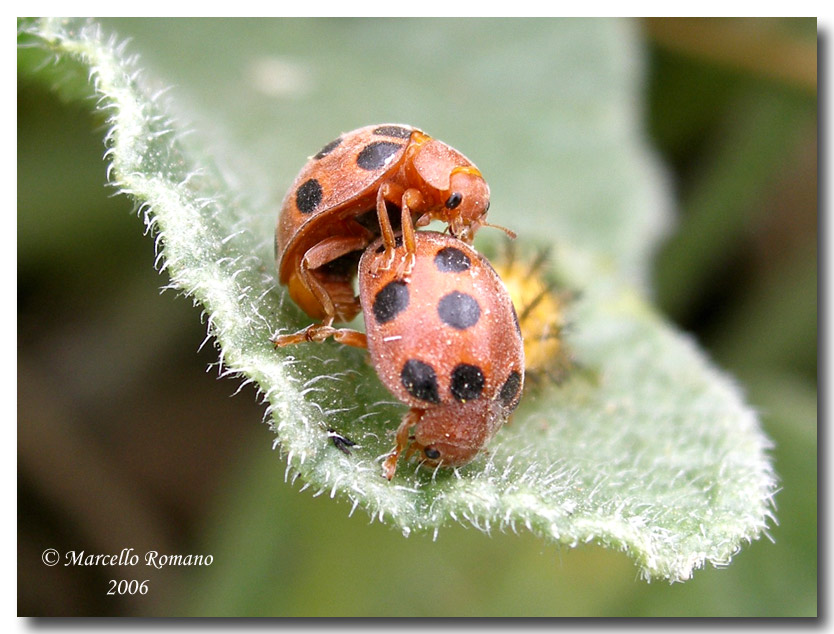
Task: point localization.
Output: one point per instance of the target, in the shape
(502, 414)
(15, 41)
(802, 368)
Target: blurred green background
(125, 440)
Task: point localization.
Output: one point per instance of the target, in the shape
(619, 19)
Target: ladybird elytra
(375, 181)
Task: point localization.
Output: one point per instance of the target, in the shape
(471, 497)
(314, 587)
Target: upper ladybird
(364, 184)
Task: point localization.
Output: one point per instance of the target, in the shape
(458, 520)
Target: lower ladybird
(445, 340)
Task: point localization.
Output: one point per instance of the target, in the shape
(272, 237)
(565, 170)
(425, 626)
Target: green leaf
(647, 448)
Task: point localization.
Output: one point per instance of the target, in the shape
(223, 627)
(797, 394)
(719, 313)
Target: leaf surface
(646, 447)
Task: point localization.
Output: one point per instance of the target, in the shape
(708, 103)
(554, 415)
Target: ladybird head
(441, 453)
(466, 205)
(452, 436)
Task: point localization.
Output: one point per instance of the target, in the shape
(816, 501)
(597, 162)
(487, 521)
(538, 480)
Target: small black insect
(342, 443)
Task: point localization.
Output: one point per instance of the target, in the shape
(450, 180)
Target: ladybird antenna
(512, 234)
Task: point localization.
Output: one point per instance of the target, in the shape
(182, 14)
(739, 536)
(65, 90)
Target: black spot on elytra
(509, 390)
(390, 301)
(451, 260)
(375, 155)
(327, 149)
(467, 382)
(420, 380)
(459, 310)
(393, 130)
(308, 196)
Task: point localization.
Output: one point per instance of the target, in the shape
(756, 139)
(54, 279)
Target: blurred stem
(763, 46)
(723, 202)
(775, 323)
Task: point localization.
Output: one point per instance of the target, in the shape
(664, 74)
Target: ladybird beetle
(445, 341)
(362, 185)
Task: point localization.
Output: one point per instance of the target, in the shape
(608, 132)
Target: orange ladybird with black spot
(446, 342)
(364, 184)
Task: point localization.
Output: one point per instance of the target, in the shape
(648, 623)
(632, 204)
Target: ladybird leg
(412, 199)
(323, 253)
(391, 192)
(319, 255)
(389, 467)
(350, 337)
(319, 333)
(287, 340)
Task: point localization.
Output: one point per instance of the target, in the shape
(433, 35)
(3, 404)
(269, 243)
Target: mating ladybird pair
(441, 329)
